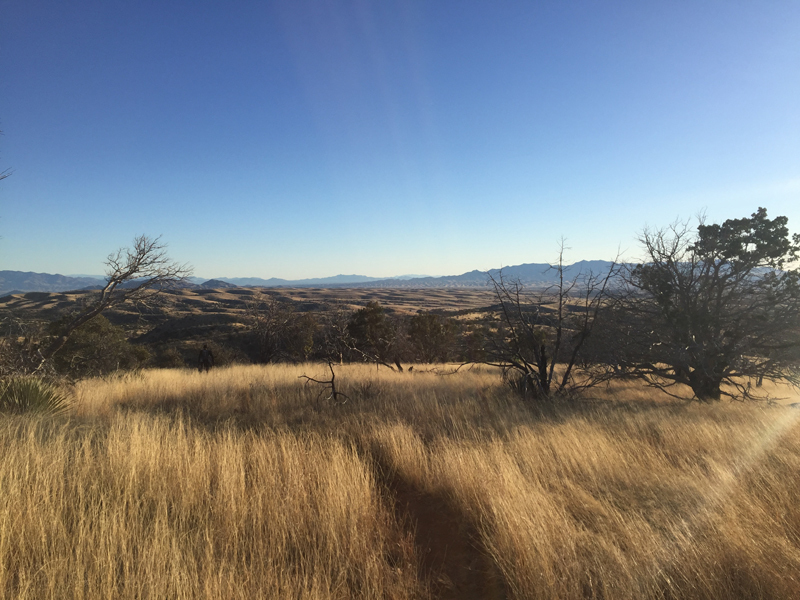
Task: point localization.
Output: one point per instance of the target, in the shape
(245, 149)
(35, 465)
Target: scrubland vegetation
(247, 482)
(546, 463)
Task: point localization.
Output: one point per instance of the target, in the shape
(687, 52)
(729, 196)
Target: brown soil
(451, 556)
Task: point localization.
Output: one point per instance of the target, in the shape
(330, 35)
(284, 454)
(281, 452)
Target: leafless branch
(328, 384)
(134, 274)
(543, 344)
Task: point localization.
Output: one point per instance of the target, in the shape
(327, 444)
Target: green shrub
(432, 337)
(168, 357)
(30, 394)
(97, 348)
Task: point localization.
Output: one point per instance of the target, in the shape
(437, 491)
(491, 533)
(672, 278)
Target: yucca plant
(30, 394)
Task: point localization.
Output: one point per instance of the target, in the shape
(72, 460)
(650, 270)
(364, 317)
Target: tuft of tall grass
(24, 394)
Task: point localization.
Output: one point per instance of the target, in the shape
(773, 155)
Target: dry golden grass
(247, 483)
(697, 503)
(151, 507)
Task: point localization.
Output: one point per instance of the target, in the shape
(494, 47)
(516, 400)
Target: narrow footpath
(451, 556)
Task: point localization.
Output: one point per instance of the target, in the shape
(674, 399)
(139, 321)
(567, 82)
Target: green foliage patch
(97, 348)
(19, 395)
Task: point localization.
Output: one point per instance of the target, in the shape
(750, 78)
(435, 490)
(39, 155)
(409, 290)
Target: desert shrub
(19, 345)
(169, 358)
(472, 344)
(31, 394)
(96, 348)
(376, 337)
(432, 337)
(278, 333)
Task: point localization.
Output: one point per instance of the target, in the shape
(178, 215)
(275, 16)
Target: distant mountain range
(316, 282)
(12, 282)
(538, 274)
(534, 274)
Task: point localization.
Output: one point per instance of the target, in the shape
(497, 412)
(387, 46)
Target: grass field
(249, 483)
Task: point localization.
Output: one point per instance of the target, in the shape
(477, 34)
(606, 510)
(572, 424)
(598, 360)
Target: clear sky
(305, 139)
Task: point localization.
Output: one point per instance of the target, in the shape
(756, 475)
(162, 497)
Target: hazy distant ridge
(540, 274)
(26, 281)
(319, 281)
(531, 273)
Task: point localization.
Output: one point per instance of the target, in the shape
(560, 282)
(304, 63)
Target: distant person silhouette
(206, 359)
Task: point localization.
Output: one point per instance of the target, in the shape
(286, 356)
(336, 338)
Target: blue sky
(306, 139)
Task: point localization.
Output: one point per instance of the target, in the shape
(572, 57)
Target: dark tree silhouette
(374, 336)
(431, 336)
(719, 305)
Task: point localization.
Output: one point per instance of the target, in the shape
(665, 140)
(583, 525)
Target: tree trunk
(544, 379)
(705, 387)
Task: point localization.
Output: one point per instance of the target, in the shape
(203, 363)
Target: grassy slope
(246, 483)
(187, 318)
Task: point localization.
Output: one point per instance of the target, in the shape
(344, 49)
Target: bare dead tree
(279, 331)
(270, 320)
(135, 274)
(541, 335)
(334, 338)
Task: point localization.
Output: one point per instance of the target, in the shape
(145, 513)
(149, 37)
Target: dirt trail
(447, 544)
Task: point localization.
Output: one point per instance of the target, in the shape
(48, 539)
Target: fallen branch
(328, 384)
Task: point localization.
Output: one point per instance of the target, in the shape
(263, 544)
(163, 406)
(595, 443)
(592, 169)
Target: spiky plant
(30, 394)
